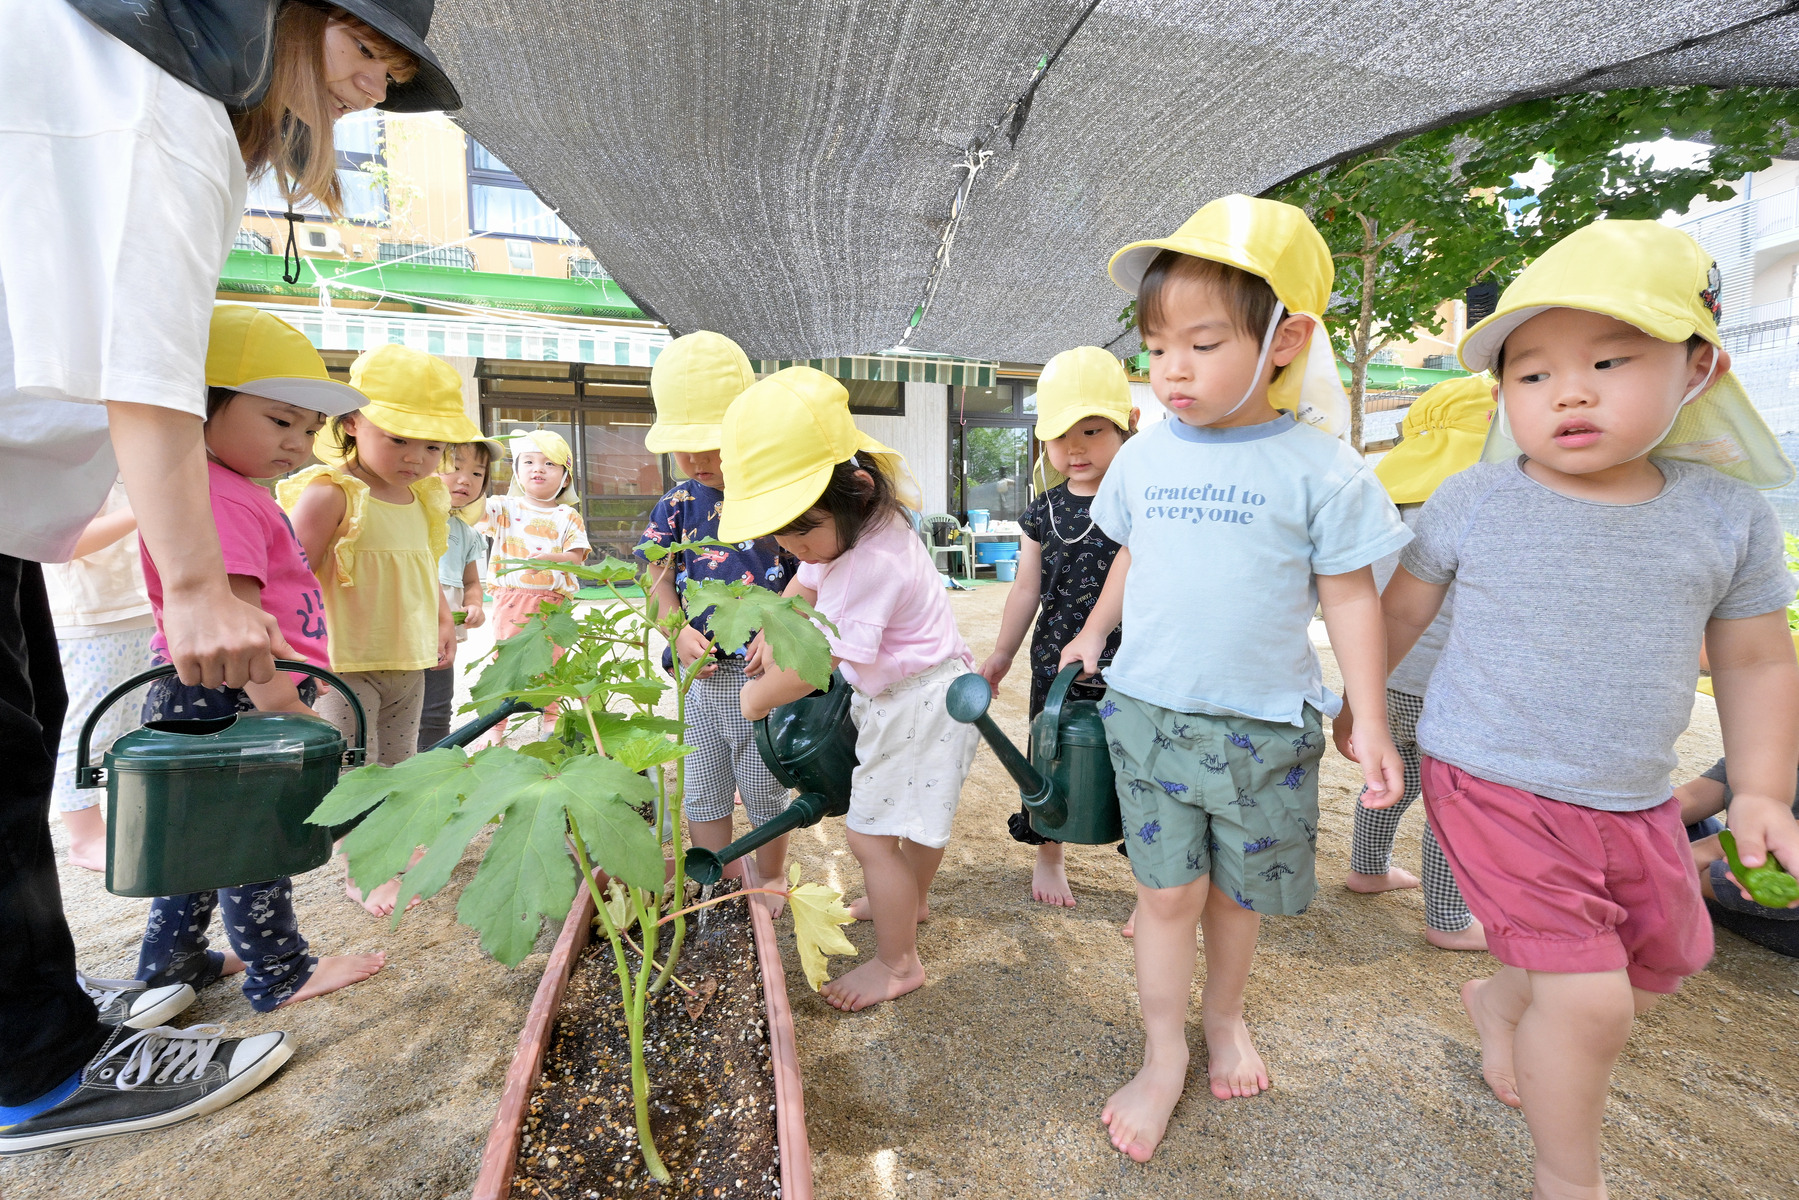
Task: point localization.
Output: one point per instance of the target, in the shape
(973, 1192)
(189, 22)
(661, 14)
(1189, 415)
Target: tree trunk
(1364, 335)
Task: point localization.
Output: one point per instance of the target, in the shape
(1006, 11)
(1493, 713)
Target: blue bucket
(992, 552)
(1006, 570)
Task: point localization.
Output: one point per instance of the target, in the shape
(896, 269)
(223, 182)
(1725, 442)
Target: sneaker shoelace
(104, 991)
(164, 1053)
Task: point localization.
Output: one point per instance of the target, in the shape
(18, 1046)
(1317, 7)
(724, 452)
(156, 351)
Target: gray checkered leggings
(1371, 853)
(725, 761)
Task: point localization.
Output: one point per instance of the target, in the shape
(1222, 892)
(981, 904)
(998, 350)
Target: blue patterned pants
(259, 926)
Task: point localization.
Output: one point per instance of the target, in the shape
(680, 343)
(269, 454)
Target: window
(499, 202)
(358, 138)
(249, 239)
(425, 255)
(875, 397)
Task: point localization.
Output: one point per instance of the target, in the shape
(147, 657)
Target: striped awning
(901, 368)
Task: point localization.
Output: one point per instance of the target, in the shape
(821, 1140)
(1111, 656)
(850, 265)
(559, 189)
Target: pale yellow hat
(411, 394)
(1660, 280)
(1444, 431)
(551, 445)
(694, 380)
(251, 351)
(1277, 242)
(781, 439)
(1083, 382)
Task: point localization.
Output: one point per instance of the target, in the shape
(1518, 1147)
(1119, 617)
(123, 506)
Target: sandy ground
(989, 1081)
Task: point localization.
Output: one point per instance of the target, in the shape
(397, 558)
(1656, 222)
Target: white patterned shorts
(92, 667)
(914, 757)
(725, 762)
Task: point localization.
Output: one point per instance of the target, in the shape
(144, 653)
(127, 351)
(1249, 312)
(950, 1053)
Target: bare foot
(776, 905)
(233, 965)
(859, 909)
(91, 855)
(87, 838)
(871, 983)
(381, 901)
(1232, 1064)
(1393, 881)
(1472, 938)
(337, 971)
(1496, 1036)
(1137, 1113)
(1049, 880)
(1130, 926)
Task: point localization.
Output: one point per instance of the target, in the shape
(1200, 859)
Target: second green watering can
(809, 745)
(1066, 782)
(192, 806)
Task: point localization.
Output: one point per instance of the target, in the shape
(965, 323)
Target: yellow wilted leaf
(618, 904)
(818, 915)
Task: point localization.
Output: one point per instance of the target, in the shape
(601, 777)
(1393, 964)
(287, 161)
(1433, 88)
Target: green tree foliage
(1415, 223)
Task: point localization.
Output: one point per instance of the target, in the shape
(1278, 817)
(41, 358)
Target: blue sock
(49, 1100)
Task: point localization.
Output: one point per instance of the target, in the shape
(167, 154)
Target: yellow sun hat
(1083, 382)
(251, 351)
(1277, 242)
(694, 380)
(782, 438)
(411, 394)
(551, 445)
(1444, 431)
(1660, 280)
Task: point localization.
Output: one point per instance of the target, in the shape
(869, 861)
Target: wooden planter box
(495, 1180)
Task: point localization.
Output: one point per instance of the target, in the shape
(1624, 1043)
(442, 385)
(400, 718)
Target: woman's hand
(216, 640)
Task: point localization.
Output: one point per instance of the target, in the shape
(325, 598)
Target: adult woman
(122, 179)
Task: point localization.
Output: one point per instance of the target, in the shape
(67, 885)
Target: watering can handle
(93, 777)
(1052, 710)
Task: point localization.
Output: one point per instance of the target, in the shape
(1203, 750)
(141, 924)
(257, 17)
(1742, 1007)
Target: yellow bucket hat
(1659, 279)
(1083, 382)
(252, 351)
(551, 445)
(1444, 431)
(1277, 242)
(411, 395)
(781, 440)
(694, 380)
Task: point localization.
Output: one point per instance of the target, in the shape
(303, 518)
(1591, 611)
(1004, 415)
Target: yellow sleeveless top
(380, 587)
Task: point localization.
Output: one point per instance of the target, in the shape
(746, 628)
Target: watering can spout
(967, 701)
(707, 867)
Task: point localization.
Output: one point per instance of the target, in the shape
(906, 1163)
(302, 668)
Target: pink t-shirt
(257, 541)
(886, 599)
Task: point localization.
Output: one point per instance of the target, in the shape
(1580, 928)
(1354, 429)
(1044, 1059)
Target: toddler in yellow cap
(796, 466)
(1084, 413)
(693, 382)
(1237, 521)
(373, 522)
(1617, 530)
(268, 395)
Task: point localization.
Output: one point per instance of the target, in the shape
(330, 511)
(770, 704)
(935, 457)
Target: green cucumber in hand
(1767, 885)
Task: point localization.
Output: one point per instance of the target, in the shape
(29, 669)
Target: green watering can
(192, 806)
(1066, 783)
(809, 745)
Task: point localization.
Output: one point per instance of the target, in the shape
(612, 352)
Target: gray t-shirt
(1413, 671)
(1570, 666)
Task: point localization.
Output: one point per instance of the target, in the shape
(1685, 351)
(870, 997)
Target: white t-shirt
(120, 192)
(102, 592)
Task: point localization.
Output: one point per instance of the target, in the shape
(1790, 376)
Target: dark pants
(440, 701)
(48, 1026)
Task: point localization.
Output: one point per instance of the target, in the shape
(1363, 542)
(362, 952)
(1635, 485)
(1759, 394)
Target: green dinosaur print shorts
(1228, 797)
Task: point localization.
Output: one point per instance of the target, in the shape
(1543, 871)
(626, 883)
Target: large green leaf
(602, 795)
(424, 791)
(509, 772)
(788, 624)
(525, 876)
(518, 662)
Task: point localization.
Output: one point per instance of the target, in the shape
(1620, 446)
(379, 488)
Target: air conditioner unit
(319, 239)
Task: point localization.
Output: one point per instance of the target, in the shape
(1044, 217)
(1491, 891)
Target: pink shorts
(1572, 890)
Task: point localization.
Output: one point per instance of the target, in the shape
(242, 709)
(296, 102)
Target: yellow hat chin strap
(1274, 323)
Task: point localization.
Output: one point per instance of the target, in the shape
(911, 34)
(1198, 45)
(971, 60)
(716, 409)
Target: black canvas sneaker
(148, 1078)
(129, 1002)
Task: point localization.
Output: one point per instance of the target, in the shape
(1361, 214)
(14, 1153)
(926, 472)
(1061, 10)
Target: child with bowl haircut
(1084, 413)
(835, 499)
(1587, 569)
(693, 382)
(1237, 521)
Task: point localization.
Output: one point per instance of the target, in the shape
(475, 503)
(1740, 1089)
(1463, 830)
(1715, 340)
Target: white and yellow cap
(782, 439)
(1277, 242)
(1660, 280)
(251, 351)
(694, 380)
(1444, 431)
(1079, 383)
(551, 445)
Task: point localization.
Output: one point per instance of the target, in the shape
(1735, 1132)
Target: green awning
(900, 368)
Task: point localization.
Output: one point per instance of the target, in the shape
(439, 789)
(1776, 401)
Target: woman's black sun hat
(407, 22)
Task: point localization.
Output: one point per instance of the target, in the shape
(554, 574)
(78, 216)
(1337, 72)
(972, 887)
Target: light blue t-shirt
(466, 546)
(1226, 529)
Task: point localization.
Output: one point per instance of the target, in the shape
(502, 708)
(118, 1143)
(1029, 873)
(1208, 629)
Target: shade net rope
(783, 171)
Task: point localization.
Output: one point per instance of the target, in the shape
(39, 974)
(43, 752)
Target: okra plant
(599, 788)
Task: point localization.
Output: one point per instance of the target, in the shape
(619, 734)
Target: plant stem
(631, 999)
(722, 899)
(640, 1078)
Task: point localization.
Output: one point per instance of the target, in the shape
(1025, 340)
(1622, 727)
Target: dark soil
(712, 1096)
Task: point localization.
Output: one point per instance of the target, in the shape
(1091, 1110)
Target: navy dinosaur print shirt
(1076, 556)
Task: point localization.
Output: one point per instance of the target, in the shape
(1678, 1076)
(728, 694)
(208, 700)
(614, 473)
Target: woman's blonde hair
(289, 133)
